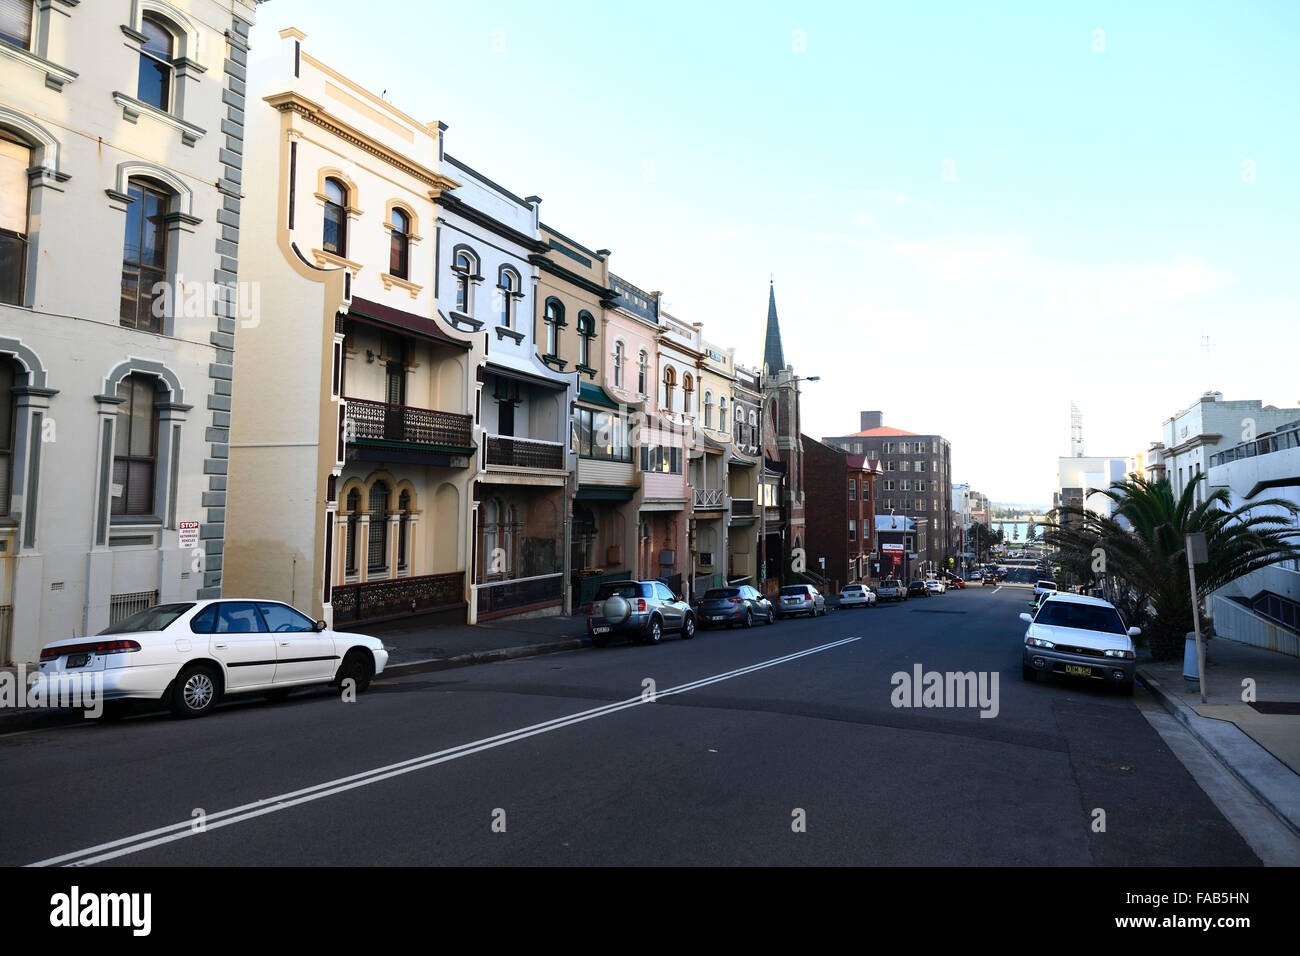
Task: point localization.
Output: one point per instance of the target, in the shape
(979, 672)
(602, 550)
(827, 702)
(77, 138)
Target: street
(803, 761)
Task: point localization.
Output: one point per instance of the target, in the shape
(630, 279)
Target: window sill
(586, 370)
(555, 361)
(55, 76)
(324, 259)
(459, 319)
(133, 109)
(503, 332)
(391, 280)
(134, 521)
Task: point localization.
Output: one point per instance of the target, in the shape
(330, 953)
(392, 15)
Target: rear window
(157, 618)
(1088, 617)
(1051, 585)
(797, 590)
(627, 589)
(889, 583)
(717, 594)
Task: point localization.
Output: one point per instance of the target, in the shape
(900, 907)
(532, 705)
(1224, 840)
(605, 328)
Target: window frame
(342, 212)
(126, 420)
(399, 244)
(146, 188)
(165, 66)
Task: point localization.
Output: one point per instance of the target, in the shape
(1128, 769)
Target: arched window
(586, 332)
(403, 528)
(135, 446)
(508, 286)
(618, 364)
(670, 383)
(708, 409)
(154, 85)
(723, 421)
(688, 393)
(554, 319)
(354, 506)
(335, 237)
(642, 371)
(15, 160)
(144, 257)
(399, 245)
(465, 265)
(377, 548)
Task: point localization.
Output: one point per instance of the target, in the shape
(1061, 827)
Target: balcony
(524, 453)
(710, 499)
(379, 422)
(394, 598)
(742, 507)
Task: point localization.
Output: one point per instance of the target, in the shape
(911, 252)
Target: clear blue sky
(1098, 216)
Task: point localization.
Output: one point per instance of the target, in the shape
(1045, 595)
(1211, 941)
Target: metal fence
(1240, 623)
(122, 606)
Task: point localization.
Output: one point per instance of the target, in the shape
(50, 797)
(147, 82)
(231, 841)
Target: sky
(973, 214)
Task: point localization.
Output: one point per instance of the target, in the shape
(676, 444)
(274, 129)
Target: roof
(884, 431)
(1077, 599)
(773, 354)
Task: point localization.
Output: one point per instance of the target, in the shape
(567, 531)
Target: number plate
(600, 630)
(1078, 670)
(78, 660)
(718, 617)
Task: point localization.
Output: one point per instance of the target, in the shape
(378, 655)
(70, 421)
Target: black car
(726, 607)
(917, 589)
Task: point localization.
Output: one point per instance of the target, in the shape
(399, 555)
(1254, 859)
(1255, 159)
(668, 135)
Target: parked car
(800, 599)
(1077, 636)
(989, 580)
(891, 589)
(956, 582)
(191, 654)
(642, 610)
(857, 595)
(917, 588)
(935, 586)
(1044, 587)
(726, 607)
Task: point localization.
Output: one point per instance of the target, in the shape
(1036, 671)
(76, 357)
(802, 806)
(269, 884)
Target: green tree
(1142, 548)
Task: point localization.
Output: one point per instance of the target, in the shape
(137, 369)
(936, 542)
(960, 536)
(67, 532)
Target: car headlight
(1127, 655)
(1038, 642)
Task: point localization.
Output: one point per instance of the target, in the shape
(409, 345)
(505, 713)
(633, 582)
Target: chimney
(869, 420)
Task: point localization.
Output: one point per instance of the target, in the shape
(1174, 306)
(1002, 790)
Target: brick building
(839, 512)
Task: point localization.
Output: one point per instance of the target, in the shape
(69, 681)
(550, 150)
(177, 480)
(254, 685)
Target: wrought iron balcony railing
(524, 452)
(380, 421)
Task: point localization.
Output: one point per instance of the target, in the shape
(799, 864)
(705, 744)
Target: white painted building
(1080, 480)
(121, 156)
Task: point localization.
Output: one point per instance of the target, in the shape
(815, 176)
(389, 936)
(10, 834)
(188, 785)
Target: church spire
(773, 354)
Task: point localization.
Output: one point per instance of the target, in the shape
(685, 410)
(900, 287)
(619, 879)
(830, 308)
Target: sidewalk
(419, 648)
(1259, 741)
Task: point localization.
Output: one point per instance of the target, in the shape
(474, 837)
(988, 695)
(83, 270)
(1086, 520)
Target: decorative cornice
(55, 76)
(391, 280)
(595, 288)
(466, 211)
(316, 114)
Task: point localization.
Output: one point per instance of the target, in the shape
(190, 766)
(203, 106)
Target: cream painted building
(356, 441)
(121, 160)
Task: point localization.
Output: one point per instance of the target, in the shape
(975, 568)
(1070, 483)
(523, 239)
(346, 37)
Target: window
(7, 380)
(642, 370)
(335, 237)
(853, 531)
(904, 466)
(15, 160)
(722, 413)
(853, 489)
(618, 364)
(889, 466)
(377, 547)
(403, 527)
(857, 448)
(354, 505)
(708, 409)
(399, 245)
(144, 258)
(282, 618)
(665, 459)
(586, 332)
(670, 383)
(239, 617)
(135, 447)
(16, 22)
(508, 287)
(688, 393)
(466, 268)
(889, 485)
(920, 466)
(554, 319)
(155, 77)
(889, 448)
(601, 435)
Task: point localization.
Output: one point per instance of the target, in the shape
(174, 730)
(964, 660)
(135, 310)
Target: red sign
(898, 559)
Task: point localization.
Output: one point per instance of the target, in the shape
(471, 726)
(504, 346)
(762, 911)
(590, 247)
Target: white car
(935, 586)
(193, 653)
(1044, 587)
(857, 595)
(1077, 636)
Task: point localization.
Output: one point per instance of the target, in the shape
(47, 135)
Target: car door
(761, 605)
(669, 608)
(301, 652)
(240, 641)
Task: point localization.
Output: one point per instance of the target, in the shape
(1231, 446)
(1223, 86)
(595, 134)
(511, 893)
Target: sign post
(1197, 553)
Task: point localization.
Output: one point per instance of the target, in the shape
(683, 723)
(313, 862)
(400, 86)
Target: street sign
(1196, 545)
(891, 547)
(189, 534)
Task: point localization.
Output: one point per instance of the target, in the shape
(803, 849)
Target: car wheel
(688, 627)
(749, 619)
(771, 618)
(656, 632)
(1028, 673)
(195, 691)
(358, 667)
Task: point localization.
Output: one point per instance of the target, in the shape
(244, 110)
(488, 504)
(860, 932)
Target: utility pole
(1196, 551)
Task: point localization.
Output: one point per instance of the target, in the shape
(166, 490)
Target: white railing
(1239, 623)
(710, 498)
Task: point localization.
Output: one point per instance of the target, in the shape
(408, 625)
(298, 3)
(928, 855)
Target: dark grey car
(642, 610)
(724, 607)
(800, 599)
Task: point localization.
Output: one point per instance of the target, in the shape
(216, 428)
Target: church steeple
(773, 354)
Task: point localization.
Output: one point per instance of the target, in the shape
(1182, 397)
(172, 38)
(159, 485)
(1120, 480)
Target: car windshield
(795, 591)
(1052, 585)
(1086, 617)
(889, 583)
(627, 589)
(719, 594)
(156, 618)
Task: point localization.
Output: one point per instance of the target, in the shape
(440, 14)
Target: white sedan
(1076, 636)
(193, 653)
(857, 595)
(935, 586)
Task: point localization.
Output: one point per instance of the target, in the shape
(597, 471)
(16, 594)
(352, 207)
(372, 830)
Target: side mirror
(319, 626)
(1027, 618)
(1134, 631)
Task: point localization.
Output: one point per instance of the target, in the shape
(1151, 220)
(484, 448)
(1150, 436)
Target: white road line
(214, 821)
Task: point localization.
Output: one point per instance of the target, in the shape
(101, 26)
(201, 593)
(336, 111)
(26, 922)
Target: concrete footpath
(1257, 739)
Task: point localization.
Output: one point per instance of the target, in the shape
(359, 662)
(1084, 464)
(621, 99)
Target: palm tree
(1142, 548)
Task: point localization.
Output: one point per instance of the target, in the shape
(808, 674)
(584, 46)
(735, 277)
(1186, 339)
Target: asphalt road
(462, 767)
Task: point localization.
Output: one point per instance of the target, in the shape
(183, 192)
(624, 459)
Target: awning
(376, 313)
(605, 493)
(595, 395)
(505, 371)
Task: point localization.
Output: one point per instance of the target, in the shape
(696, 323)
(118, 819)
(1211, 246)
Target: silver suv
(800, 599)
(642, 610)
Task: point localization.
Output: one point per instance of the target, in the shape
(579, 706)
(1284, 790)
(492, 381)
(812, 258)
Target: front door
(301, 652)
(241, 642)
